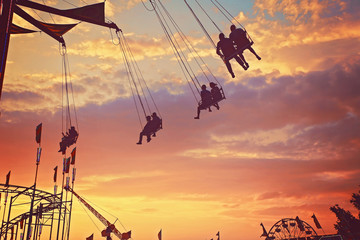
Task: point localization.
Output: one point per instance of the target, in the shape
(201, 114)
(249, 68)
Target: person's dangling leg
(253, 51)
(245, 64)
(198, 113)
(229, 68)
(140, 138)
(148, 139)
(240, 62)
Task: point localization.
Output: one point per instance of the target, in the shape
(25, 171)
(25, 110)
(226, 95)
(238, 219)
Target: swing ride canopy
(94, 14)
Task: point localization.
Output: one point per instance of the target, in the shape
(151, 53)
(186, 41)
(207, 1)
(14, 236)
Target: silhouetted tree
(347, 225)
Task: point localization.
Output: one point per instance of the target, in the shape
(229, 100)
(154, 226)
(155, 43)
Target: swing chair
(137, 84)
(247, 41)
(217, 97)
(181, 47)
(69, 133)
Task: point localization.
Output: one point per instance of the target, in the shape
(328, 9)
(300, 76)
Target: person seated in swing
(64, 143)
(156, 123)
(238, 36)
(73, 135)
(226, 46)
(206, 101)
(68, 139)
(215, 94)
(147, 131)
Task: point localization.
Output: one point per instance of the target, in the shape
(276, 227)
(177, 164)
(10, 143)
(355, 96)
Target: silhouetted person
(68, 139)
(146, 131)
(156, 123)
(73, 135)
(63, 144)
(227, 50)
(206, 101)
(215, 94)
(238, 36)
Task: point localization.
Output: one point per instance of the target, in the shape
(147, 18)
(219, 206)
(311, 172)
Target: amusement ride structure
(28, 212)
(296, 229)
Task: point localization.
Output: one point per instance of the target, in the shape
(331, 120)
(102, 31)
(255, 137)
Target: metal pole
(17, 228)
(36, 224)
(62, 189)
(52, 215)
(32, 205)
(6, 19)
(7, 223)
(24, 228)
(16, 233)
(2, 221)
(34, 190)
(62, 235)
(71, 201)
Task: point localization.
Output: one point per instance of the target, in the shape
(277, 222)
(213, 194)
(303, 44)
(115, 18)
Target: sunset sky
(285, 142)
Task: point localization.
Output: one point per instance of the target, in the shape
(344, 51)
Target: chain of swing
(223, 11)
(138, 86)
(69, 132)
(165, 20)
(65, 95)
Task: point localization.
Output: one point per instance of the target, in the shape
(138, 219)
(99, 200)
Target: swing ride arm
(97, 214)
(36, 23)
(74, 13)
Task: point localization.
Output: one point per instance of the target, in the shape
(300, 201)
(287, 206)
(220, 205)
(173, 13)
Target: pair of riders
(68, 139)
(209, 99)
(233, 47)
(154, 123)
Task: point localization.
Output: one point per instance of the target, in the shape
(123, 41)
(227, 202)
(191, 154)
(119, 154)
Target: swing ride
(53, 210)
(183, 47)
(137, 85)
(240, 38)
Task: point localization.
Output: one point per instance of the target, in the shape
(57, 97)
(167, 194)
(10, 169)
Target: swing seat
(67, 141)
(159, 127)
(239, 50)
(214, 101)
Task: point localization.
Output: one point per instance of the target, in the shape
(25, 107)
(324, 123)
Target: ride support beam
(5, 24)
(34, 22)
(64, 13)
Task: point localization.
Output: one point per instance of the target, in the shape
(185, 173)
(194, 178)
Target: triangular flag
(125, 236)
(7, 179)
(160, 234)
(73, 154)
(22, 222)
(55, 173)
(300, 224)
(38, 133)
(265, 234)
(317, 224)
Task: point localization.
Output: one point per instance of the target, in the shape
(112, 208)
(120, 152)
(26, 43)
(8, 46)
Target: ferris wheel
(291, 229)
